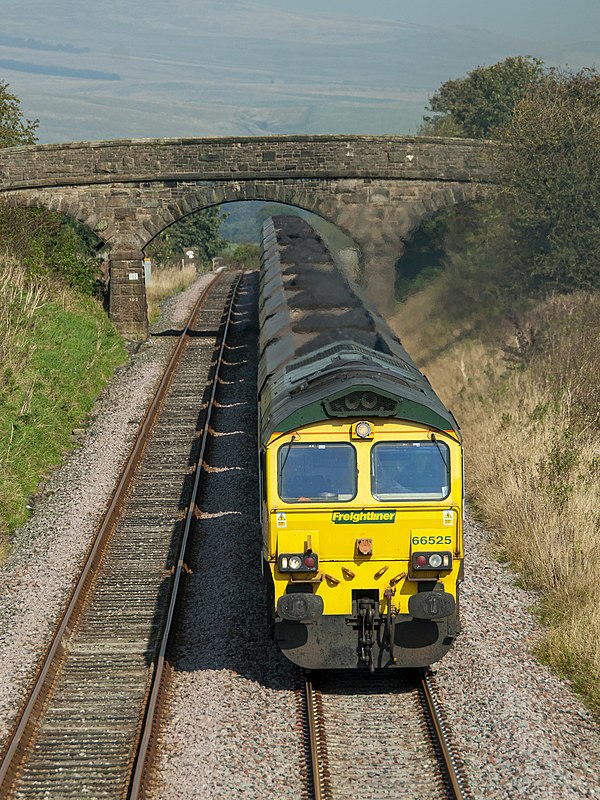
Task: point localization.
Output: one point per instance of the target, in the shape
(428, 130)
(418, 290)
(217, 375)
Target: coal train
(361, 473)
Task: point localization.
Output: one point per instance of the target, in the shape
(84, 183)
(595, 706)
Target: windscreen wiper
(287, 452)
(437, 444)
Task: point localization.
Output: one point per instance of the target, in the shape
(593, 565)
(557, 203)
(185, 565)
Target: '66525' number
(432, 540)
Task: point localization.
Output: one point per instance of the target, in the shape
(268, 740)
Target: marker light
(298, 562)
(431, 561)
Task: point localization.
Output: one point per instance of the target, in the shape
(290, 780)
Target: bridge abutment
(128, 308)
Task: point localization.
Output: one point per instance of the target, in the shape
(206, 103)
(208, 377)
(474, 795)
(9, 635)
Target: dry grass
(530, 411)
(20, 298)
(166, 282)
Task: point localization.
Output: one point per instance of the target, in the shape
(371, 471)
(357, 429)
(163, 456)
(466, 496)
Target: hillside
(141, 70)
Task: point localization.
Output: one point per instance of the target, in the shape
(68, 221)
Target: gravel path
(48, 550)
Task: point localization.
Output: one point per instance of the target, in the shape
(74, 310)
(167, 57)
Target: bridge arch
(374, 188)
(198, 200)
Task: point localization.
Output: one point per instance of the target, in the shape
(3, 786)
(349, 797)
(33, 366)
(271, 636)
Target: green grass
(68, 354)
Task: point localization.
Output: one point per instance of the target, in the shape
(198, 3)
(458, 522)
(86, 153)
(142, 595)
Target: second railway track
(86, 718)
(376, 737)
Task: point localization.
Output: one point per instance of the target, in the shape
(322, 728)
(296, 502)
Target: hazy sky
(527, 19)
(94, 69)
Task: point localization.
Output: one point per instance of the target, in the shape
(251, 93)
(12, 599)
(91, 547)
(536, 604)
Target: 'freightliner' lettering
(358, 517)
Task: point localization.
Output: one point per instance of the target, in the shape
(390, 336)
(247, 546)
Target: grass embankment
(57, 350)
(166, 282)
(527, 395)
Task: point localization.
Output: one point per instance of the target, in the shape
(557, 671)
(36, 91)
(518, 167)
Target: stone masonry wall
(410, 158)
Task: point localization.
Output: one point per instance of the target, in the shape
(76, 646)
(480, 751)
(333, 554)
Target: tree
(200, 230)
(14, 129)
(549, 172)
(479, 104)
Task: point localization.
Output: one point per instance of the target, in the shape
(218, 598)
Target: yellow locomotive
(361, 473)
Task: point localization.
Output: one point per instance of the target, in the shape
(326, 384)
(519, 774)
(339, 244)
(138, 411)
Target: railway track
(87, 729)
(377, 737)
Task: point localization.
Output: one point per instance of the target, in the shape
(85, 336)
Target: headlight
(363, 430)
(422, 561)
(298, 562)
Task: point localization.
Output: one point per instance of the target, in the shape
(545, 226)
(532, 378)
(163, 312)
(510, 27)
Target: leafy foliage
(47, 243)
(247, 255)
(483, 101)
(199, 230)
(549, 173)
(14, 129)
(541, 232)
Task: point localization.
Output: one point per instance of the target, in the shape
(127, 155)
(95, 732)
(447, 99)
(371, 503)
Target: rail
(451, 780)
(457, 788)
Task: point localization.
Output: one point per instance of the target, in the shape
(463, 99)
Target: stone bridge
(374, 188)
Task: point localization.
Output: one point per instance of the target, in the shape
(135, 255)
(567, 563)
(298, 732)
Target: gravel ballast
(232, 728)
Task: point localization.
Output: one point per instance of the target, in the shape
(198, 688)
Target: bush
(247, 255)
(549, 172)
(51, 244)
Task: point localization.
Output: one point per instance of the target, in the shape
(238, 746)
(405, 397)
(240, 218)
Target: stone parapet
(271, 157)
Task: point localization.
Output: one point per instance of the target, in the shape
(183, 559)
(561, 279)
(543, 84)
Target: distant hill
(142, 69)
